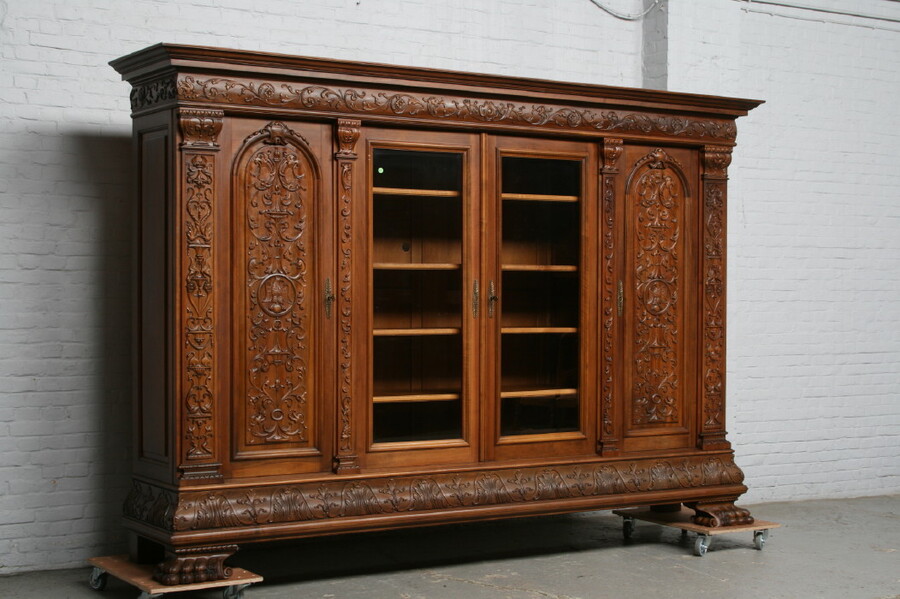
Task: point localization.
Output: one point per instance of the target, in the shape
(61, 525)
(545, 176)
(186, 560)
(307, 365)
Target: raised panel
(154, 367)
(658, 314)
(277, 187)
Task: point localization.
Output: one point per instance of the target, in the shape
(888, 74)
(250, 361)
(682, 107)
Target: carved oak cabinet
(373, 296)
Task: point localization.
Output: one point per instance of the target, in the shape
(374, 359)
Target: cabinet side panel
(153, 397)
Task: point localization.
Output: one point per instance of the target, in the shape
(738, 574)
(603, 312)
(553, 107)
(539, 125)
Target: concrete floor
(847, 549)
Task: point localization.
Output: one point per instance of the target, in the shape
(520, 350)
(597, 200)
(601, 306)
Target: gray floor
(847, 549)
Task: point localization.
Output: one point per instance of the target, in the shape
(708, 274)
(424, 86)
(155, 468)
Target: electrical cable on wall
(623, 16)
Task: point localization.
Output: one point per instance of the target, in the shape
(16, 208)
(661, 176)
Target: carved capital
(612, 151)
(715, 161)
(346, 135)
(200, 128)
(194, 564)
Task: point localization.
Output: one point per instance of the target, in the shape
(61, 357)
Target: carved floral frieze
(361, 102)
(302, 502)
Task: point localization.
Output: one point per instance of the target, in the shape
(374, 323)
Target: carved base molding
(320, 500)
(195, 564)
(720, 514)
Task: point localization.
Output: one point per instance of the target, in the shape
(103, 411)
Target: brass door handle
(492, 299)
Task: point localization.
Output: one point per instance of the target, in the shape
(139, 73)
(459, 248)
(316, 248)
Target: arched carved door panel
(277, 287)
(660, 300)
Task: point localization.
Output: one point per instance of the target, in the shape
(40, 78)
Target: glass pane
(417, 214)
(540, 260)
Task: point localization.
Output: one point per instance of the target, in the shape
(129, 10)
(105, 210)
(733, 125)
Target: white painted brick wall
(814, 342)
(814, 234)
(65, 192)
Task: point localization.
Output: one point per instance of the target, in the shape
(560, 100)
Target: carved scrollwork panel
(276, 194)
(657, 194)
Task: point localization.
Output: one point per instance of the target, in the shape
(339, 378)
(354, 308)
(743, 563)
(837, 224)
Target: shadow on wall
(104, 164)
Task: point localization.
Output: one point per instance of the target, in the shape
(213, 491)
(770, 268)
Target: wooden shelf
(415, 266)
(422, 193)
(538, 392)
(415, 397)
(536, 330)
(539, 268)
(537, 197)
(414, 332)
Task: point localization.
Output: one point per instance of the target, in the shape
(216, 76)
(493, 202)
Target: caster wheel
(701, 545)
(759, 539)
(627, 528)
(234, 592)
(98, 580)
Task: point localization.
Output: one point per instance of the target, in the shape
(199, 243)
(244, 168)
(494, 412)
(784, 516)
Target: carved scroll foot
(194, 564)
(720, 514)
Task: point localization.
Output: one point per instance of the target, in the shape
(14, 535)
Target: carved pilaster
(712, 413)
(346, 136)
(199, 145)
(608, 438)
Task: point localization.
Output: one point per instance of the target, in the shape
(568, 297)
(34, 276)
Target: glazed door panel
(422, 269)
(281, 267)
(539, 377)
(660, 298)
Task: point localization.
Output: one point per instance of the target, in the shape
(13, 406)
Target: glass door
(541, 254)
(419, 206)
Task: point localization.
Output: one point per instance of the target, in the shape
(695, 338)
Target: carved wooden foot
(194, 564)
(720, 514)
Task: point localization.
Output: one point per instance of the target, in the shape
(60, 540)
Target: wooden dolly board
(141, 576)
(682, 519)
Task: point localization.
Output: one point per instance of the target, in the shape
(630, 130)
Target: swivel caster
(759, 538)
(627, 527)
(701, 545)
(234, 592)
(98, 579)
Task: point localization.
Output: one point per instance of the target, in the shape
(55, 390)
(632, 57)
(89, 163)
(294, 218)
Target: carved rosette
(346, 136)
(715, 164)
(199, 131)
(360, 102)
(658, 191)
(277, 198)
(612, 151)
(303, 502)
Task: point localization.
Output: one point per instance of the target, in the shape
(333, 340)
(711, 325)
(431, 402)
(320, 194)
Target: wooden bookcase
(374, 296)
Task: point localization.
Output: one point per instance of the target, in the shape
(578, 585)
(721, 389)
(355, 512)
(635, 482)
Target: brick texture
(814, 383)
